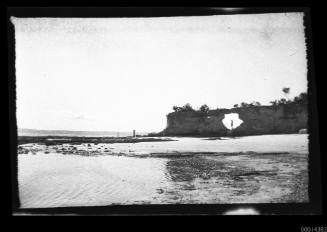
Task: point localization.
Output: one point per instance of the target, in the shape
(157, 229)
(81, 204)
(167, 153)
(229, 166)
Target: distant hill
(34, 132)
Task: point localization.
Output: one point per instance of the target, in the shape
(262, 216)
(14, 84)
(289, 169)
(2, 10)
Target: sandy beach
(182, 171)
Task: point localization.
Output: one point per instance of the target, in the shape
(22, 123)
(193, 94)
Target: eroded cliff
(257, 120)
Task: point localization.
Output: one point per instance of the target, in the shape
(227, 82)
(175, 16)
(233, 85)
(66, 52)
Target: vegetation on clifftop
(301, 99)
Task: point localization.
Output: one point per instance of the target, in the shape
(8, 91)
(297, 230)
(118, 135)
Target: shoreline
(56, 140)
(162, 147)
(168, 154)
(53, 140)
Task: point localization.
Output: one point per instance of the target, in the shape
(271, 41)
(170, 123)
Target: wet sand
(105, 174)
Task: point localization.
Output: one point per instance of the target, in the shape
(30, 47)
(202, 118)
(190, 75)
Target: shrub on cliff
(257, 103)
(286, 91)
(302, 98)
(282, 101)
(177, 109)
(186, 108)
(274, 103)
(244, 104)
(204, 108)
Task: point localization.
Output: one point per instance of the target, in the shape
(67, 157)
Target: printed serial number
(313, 229)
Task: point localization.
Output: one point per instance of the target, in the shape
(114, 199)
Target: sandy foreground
(186, 171)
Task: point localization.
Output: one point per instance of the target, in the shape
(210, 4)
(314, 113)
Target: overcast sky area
(124, 74)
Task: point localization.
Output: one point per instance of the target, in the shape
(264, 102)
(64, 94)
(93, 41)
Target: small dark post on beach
(134, 135)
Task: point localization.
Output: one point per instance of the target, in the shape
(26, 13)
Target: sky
(120, 74)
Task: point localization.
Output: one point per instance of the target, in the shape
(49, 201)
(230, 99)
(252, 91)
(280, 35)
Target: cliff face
(257, 120)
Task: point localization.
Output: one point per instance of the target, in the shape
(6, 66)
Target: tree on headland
(187, 107)
(243, 104)
(257, 103)
(302, 98)
(282, 101)
(204, 108)
(274, 103)
(254, 103)
(286, 91)
(177, 109)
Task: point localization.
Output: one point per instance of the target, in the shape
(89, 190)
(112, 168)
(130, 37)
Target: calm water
(32, 132)
(57, 180)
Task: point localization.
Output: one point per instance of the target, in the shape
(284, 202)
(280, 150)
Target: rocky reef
(57, 140)
(257, 120)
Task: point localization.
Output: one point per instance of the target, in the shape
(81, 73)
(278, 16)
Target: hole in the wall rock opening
(232, 121)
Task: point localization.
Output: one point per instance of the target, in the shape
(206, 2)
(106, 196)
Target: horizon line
(78, 130)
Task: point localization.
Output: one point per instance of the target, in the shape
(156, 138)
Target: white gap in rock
(232, 121)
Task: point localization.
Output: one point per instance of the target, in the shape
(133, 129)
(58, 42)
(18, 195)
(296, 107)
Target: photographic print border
(313, 207)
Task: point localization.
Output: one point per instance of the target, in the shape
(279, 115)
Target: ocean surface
(58, 180)
(33, 132)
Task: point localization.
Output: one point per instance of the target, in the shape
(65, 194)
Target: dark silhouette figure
(231, 124)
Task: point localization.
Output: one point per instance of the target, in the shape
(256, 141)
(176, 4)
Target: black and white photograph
(178, 110)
